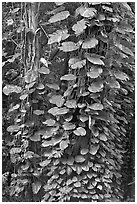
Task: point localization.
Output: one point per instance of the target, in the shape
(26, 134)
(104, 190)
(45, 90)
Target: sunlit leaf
(77, 184)
(89, 43)
(83, 118)
(15, 150)
(8, 89)
(69, 126)
(69, 46)
(63, 144)
(53, 86)
(58, 36)
(94, 72)
(94, 149)
(40, 86)
(103, 137)
(96, 106)
(49, 122)
(14, 107)
(79, 159)
(79, 27)
(44, 70)
(86, 12)
(38, 112)
(57, 99)
(59, 16)
(43, 61)
(80, 131)
(10, 22)
(84, 151)
(45, 162)
(47, 143)
(68, 77)
(15, 10)
(23, 96)
(13, 128)
(71, 104)
(109, 9)
(76, 63)
(59, 3)
(96, 87)
(31, 76)
(36, 187)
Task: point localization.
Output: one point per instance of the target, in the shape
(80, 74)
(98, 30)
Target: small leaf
(49, 122)
(69, 126)
(103, 137)
(23, 97)
(94, 60)
(84, 151)
(15, 10)
(57, 99)
(59, 16)
(63, 144)
(10, 22)
(69, 46)
(96, 106)
(53, 86)
(68, 77)
(89, 43)
(79, 159)
(13, 128)
(99, 187)
(8, 89)
(77, 184)
(76, 63)
(71, 104)
(94, 149)
(45, 163)
(36, 187)
(31, 76)
(80, 131)
(44, 70)
(35, 138)
(38, 112)
(14, 107)
(96, 87)
(94, 72)
(40, 86)
(86, 12)
(43, 61)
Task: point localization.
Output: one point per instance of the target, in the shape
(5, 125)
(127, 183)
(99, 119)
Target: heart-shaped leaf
(59, 16)
(80, 131)
(68, 77)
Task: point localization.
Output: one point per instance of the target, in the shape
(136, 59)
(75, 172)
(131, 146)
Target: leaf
(14, 107)
(13, 128)
(36, 187)
(69, 126)
(96, 106)
(15, 150)
(96, 87)
(126, 50)
(15, 10)
(63, 144)
(90, 43)
(10, 22)
(43, 61)
(36, 137)
(23, 97)
(79, 159)
(94, 72)
(79, 27)
(59, 3)
(58, 36)
(47, 143)
(49, 122)
(121, 75)
(69, 46)
(86, 12)
(70, 161)
(77, 184)
(53, 86)
(113, 83)
(45, 163)
(83, 118)
(80, 131)
(109, 9)
(31, 76)
(57, 99)
(68, 77)
(71, 103)
(38, 112)
(59, 16)
(94, 60)
(44, 70)
(76, 63)
(94, 149)
(8, 89)
(103, 137)
(84, 151)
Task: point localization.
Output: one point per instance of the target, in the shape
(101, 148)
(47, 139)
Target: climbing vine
(70, 85)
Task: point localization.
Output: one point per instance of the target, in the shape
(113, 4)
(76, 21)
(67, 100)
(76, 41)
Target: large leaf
(89, 43)
(126, 50)
(79, 27)
(8, 89)
(69, 46)
(96, 87)
(96, 106)
(94, 72)
(59, 16)
(68, 77)
(121, 75)
(36, 187)
(58, 36)
(80, 131)
(57, 99)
